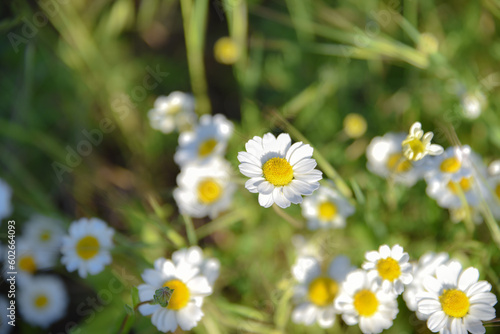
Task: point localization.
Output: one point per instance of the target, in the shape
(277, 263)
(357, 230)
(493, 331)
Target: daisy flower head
(316, 291)
(326, 208)
(207, 140)
(44, 232)
(209, 267)
(184, 307)
(417, 144)
(5, 199)
(43, 300)
(175, 111)
(454, 164)
(362, 302)
(427, 265)
(389, 267)
(455, 194)
(87, 247)
(455, 301)
(279, 171)
(205, 190)
(385, 159)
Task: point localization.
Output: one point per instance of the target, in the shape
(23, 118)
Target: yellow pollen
(41, 301)
(365, 302)
(45, 236)
(454, 303)
(354, 125)
(327, 210)
(322, 291)
(207, 147)
(388, 269)
(87, 247)
(278, 172)
(209, 191)
(414, 145)
(465, 184)
(497, 191)
(398, 163)
(180, 296)
(27, 263)
(450, 165)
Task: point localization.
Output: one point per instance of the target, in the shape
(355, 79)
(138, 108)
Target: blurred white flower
(175, 111)
(279, 171)
(45, 233)
(5, 200)
(87, 247)
(473, 104)
(205, 190)
(417, 144)
(209, 267)
(207, 140)
(326, 208)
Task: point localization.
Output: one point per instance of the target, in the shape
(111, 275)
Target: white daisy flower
(448, 194)
(362, 301)
(207, 140)
(87, 247)
(454, 164)
(43, 300)
(184, 307)
(386, 159)
(279, 171)
(389, 267)
(455, 301)
(205, 190)
(44, 232)
(326, 208)
(427, 265)
(5, 200)
(4, 305)
(316, 291)
(175, 111)
(417, 144)
(209, 267)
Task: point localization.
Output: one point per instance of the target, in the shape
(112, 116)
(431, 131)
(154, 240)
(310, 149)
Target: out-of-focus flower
(473, 104)
(326, 208)
(209, 267)
(361, 301)
(43, 300)
(492, 192)
(205, 190)
(354, 125)
(460, 214)
(316, 291)
(417, 144)
(207, 140)
(226, 51)
(455, 301)
(455, 163)
(184, 307)
(279, 171)
(5, 198)
(175, 111)
(87, 247)
(45, 233)
(389, 267)
(448, 193)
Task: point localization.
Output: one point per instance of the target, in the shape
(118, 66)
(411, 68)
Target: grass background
(304, 66)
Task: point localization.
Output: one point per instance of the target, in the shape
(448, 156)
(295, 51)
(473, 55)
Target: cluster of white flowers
(452, 300)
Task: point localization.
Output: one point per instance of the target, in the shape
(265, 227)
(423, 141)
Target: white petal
(189, 316)
(304, 151)
(457, 327)
(199, 286)
(474, 325)
(279, 198)
(269, 143)
(265, 188)
(283, 141)
(467, 278)
(291, 195)
(254, 147)
(248, 158)
(266, 200)
(253, 183)
(437, 321)
(250, 170)
(304, 166)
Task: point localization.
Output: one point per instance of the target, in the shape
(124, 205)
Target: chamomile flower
(175, 111)
(455, 301)
(207, 140)
(455, 195)
(205, 190)
(386, 160)
(417, 144)
(209, 267)
(5, 198)
(362, 301)
(87, 247)
(326, 208)
(44, 232)
(279, 171)
(389, 267)
(454, 164)
(426, 266)
(43, 300)
(5, 313)
(316, 291)
(184, 307)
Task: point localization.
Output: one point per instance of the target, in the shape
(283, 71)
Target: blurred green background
(69, 66)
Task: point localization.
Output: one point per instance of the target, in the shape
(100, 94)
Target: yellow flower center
(322, 291)
(45, 235)
(209, 191)
(398, 163)
(207, 147)
(465, 184)
(87, 247)
(180, 296)
(226, 51)
(27, 263)
(354, 125)
(41, 301)
(416, 146)
(497, 191)
(327, 210)
(450, 165)
(365, 302)
(454, 303)
(388, 269)
(278, 172)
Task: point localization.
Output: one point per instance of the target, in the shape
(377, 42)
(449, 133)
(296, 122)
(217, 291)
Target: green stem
(191, 234)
